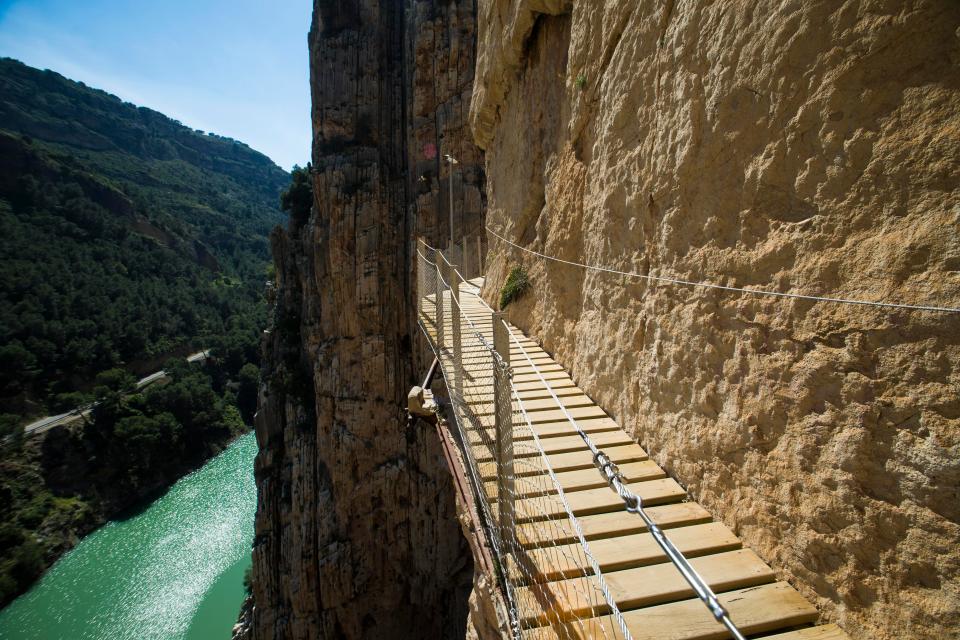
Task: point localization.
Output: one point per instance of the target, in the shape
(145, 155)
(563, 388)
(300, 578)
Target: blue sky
(238, 68)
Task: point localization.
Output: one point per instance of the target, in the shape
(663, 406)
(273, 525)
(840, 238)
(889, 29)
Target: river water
(174, 571)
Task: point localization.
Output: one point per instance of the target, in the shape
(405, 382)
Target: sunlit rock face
(797, 146)
(356, 525)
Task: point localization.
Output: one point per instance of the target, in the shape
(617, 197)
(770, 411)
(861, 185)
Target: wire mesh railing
(552, 585)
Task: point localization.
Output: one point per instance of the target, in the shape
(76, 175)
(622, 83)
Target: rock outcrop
(356, 532)
(794, 146)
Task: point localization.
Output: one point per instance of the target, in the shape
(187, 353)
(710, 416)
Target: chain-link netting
(551, 583)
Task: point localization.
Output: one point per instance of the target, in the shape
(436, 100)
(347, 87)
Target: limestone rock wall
(356, 530)
(441, 41)
(799, 146)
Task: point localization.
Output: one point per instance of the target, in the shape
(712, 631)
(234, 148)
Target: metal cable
(707, 285)
(575, 523)
(634, 504)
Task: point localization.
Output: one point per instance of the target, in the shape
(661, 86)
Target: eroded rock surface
(356, 531)
(797, 146)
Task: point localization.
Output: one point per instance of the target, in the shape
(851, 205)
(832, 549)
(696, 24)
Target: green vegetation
(126, 238)
(582, 81)
(248, 580)
(297, 199)
(516, 285)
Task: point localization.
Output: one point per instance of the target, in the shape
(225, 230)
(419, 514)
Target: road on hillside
(45, 424)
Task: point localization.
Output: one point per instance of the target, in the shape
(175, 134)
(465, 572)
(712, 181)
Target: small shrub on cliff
(582, 81)
(516, 285)
(297, 199)
(248, 580)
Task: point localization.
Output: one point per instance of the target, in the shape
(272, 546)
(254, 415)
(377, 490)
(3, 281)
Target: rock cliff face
(796, 146)
(356, 533)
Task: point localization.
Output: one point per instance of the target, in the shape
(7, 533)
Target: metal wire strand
(708, 285)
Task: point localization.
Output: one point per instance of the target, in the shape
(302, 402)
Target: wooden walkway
(655, 600)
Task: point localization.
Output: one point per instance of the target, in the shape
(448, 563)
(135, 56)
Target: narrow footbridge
(588, 537)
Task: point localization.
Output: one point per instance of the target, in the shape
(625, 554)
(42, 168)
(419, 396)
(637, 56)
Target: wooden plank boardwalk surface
(655, 600)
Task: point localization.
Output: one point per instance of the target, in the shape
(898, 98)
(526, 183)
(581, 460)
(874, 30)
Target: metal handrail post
(503, 424)
(456, 346)
(438, 298)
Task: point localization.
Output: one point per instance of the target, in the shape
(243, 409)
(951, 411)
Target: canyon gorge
(790, 146)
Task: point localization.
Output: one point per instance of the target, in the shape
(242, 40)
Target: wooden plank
(823, 632)
(474, 352)
(536, 406)
(590, 501)
(522, 430)
(518, 364)
(754, 610)
(536, 353)
(529, 385)
(571, 461)
(625, 552)
(480, 395)
(567, 444)
(555, 414)
(522, 367)
(570, 401)
(641, 587)
(612, 524)
(556, 428)
(583, 459)
(591, 478)
(547, 375)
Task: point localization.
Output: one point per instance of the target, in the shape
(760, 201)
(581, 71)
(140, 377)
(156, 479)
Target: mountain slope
(127, 236)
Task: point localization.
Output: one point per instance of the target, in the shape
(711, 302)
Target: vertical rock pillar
(356, 530)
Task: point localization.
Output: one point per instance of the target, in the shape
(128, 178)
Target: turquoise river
(173, 571)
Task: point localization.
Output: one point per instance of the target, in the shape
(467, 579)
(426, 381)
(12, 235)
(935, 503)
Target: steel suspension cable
(574, 522)
(634, 504)
(721, 287)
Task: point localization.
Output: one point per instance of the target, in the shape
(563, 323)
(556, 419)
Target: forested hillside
(126, 237)
(128, 240)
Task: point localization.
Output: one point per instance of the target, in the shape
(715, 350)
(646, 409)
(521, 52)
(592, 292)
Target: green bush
(10, 536)
(10, 428)
(581, 81)
(248, 390)
(27, 563)
(516, 285)
(248, 580)
(297, 199)
(34, 513)
(116, 379)
(8, 586)
(63, 402)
